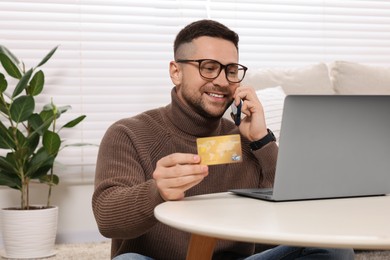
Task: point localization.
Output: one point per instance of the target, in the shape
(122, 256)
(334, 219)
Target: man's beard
(199, 105)
(201, 108)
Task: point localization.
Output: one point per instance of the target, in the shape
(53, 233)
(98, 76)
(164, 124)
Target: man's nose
(221, 80)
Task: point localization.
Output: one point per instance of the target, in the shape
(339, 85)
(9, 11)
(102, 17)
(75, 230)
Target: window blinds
(113, 56)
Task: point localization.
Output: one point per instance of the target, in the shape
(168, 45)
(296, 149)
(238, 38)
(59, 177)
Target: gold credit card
(220, 149)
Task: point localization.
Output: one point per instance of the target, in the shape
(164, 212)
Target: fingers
(179, 165)
(253, 125)
(176, 173)
(178, 158)
(168, 192)
(251, 103)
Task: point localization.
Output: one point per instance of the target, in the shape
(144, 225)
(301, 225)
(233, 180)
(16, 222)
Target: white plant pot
(29, 233)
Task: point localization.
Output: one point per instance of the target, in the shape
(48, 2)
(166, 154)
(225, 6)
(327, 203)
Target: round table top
(351, 222)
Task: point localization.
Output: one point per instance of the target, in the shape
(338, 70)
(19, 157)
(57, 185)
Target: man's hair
(204, 28)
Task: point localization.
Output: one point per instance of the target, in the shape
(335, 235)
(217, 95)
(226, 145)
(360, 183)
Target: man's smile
(216, 95)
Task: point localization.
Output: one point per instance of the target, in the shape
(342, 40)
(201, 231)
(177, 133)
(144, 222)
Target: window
(113, 56)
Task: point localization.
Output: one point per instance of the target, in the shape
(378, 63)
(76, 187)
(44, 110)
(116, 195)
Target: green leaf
(40, 172)
(22, 108)
(22, 154)
(36, 83)
(48, 107)
(48, 56)
(63, 109)
(10, 180)
(20, 139)
(32, 141)
(6, 166)
(51, 142)
(47, 115)
(36, 123)
(22, 84)
(10, 55)
(3, 83)
(74, 122)
(8, 173)
(10, 67)
(4, 107)
(47, 118)
(40, 163)
(51, 107)
(50, 179)
(6, 141)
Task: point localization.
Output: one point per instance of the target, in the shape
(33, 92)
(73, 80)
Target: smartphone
(236, 113)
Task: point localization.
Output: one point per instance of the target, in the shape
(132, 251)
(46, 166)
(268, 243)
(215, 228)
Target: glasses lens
(235, 72)
(209, 69)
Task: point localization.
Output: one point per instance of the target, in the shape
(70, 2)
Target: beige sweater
(126, 194)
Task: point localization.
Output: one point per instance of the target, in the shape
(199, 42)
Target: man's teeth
(216, 95)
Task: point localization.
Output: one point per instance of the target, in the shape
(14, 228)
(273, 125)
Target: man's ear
(175, 73)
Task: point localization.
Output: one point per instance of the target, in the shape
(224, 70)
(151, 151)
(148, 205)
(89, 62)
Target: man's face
(208, 97)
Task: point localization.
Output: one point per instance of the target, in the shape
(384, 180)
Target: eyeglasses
(210, 69)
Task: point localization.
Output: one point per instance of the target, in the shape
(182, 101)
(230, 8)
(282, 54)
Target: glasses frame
(222, 67)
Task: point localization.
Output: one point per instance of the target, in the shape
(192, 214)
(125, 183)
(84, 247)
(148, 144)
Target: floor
(89, 251)
(101, 251)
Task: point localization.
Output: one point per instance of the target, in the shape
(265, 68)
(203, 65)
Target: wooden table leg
(201, 247)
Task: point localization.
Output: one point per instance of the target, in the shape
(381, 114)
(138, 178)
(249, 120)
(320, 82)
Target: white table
(360, 223)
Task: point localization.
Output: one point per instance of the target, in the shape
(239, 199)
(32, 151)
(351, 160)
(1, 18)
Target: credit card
(219, 149)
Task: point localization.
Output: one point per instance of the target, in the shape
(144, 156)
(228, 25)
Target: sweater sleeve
(267, 157)
(125, 193)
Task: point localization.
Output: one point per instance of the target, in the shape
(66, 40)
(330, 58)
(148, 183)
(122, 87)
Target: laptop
(331, 146)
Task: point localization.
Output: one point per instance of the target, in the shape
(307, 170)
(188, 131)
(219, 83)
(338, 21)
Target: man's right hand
(178, 172)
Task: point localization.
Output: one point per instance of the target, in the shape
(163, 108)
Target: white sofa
(339, 77)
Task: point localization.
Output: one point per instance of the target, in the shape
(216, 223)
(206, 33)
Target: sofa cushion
(355, 78)
(312, 79)
(272, 100)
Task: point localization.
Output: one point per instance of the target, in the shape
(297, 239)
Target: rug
(101, 251)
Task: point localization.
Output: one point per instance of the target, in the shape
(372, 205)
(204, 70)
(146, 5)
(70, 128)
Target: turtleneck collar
(190, 122)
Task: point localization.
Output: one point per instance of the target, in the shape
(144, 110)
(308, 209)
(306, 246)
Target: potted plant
(29, 144)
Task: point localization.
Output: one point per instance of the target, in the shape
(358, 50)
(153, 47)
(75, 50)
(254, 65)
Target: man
(152, 157)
